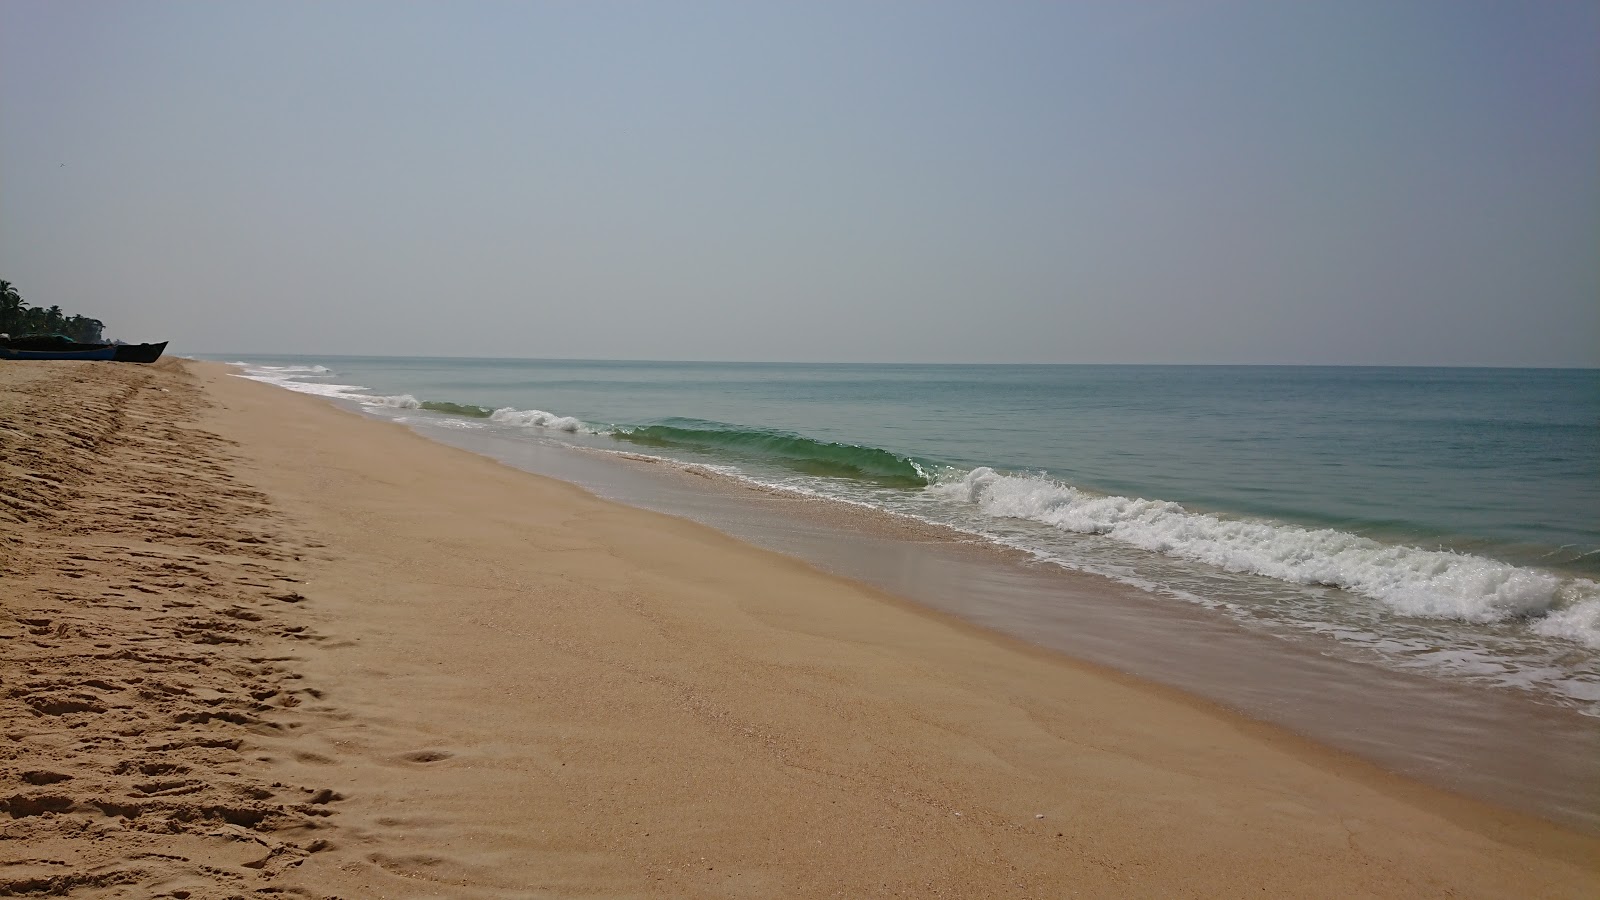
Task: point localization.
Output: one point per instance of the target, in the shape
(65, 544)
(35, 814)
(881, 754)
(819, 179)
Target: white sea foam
(285, 370)
(1579, 621)
(291, 377)
(397, 401)
(294, 378)
(1409, 580)
(538, 418)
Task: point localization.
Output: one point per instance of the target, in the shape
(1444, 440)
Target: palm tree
(18, 318)
(83, 329)
(12, 307)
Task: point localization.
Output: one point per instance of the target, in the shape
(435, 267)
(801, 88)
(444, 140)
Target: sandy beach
(257, 645)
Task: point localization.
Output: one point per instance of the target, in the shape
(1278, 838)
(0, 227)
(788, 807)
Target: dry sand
(255, 646)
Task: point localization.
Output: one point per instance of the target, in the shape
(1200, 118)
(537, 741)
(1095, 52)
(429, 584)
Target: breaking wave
(407, 401)
(457, 409)
(538, 418)
(793, 451)
(1408, 580)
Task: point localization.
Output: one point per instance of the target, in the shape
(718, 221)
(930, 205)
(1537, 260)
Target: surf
(793, 451)
(1410, 581)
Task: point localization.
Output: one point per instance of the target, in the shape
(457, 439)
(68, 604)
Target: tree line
(18, 318)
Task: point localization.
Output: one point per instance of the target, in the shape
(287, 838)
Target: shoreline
(1491, 743)
(1387, 594)
(521, 687)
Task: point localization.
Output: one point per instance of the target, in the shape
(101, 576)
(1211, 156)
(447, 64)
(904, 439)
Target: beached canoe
(106, 352)
(139, 353)
(51, 347)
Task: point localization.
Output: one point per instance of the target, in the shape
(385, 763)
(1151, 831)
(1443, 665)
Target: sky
(1350, 182)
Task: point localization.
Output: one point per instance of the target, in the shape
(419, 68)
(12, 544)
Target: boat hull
(27, 348)
(139, 353)
(97, 353)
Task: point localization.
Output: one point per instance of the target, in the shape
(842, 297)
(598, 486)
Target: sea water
(1438, 521)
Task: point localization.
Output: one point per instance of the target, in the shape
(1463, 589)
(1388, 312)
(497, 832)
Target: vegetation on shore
(18, 318)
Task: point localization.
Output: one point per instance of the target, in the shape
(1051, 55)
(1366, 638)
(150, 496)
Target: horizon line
(796, 362)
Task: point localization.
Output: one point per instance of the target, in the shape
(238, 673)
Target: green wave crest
(793, 451)
(457, 409)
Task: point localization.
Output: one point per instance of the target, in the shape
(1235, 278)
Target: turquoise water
(1439, 520)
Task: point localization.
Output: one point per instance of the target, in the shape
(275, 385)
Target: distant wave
(292, 377)
(1409, 580)
(793, 451)
(286, 371)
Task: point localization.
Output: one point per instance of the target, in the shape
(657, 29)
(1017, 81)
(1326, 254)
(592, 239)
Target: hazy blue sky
(1278, 182)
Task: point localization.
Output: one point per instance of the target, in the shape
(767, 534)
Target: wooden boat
(105, 352)
(50, 346)
(139, 353)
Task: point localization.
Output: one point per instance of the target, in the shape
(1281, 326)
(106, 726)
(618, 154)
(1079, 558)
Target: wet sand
(258, 643)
